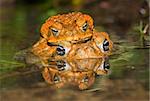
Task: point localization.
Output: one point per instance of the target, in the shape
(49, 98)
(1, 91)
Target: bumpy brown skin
(82, 79)
(68, 30)
(69, 27)
(71, 36)
(99, 37)
(42, 50)
(77, 72)
(50, 74)
(91, 49)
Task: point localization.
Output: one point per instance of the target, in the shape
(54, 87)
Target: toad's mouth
(84, 40)
(81, 40)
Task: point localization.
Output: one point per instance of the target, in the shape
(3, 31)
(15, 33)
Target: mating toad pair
(72, 51)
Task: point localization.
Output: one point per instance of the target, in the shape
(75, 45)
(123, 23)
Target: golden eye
(85, 26)
(55, 31)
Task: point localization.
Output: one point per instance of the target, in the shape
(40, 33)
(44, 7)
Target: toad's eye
(106, 65)
(60, 50)
(85, 26)
(106, 45)
(62, 65)
(55, 31)
(56, 79)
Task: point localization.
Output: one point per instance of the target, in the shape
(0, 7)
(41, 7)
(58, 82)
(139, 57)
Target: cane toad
(66, 42)
(82, 79)
(71, 35)
(73, 27)
(99, 46)
(77, 72)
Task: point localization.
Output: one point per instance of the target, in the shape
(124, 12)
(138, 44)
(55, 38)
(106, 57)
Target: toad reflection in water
(71, 50)
(80, 72)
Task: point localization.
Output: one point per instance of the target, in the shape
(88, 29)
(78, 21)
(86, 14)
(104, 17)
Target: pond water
(19, 29)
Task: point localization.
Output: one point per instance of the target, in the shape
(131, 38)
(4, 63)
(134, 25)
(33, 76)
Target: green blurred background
(126, 21)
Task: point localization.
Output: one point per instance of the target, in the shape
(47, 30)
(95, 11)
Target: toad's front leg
(43, 50)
